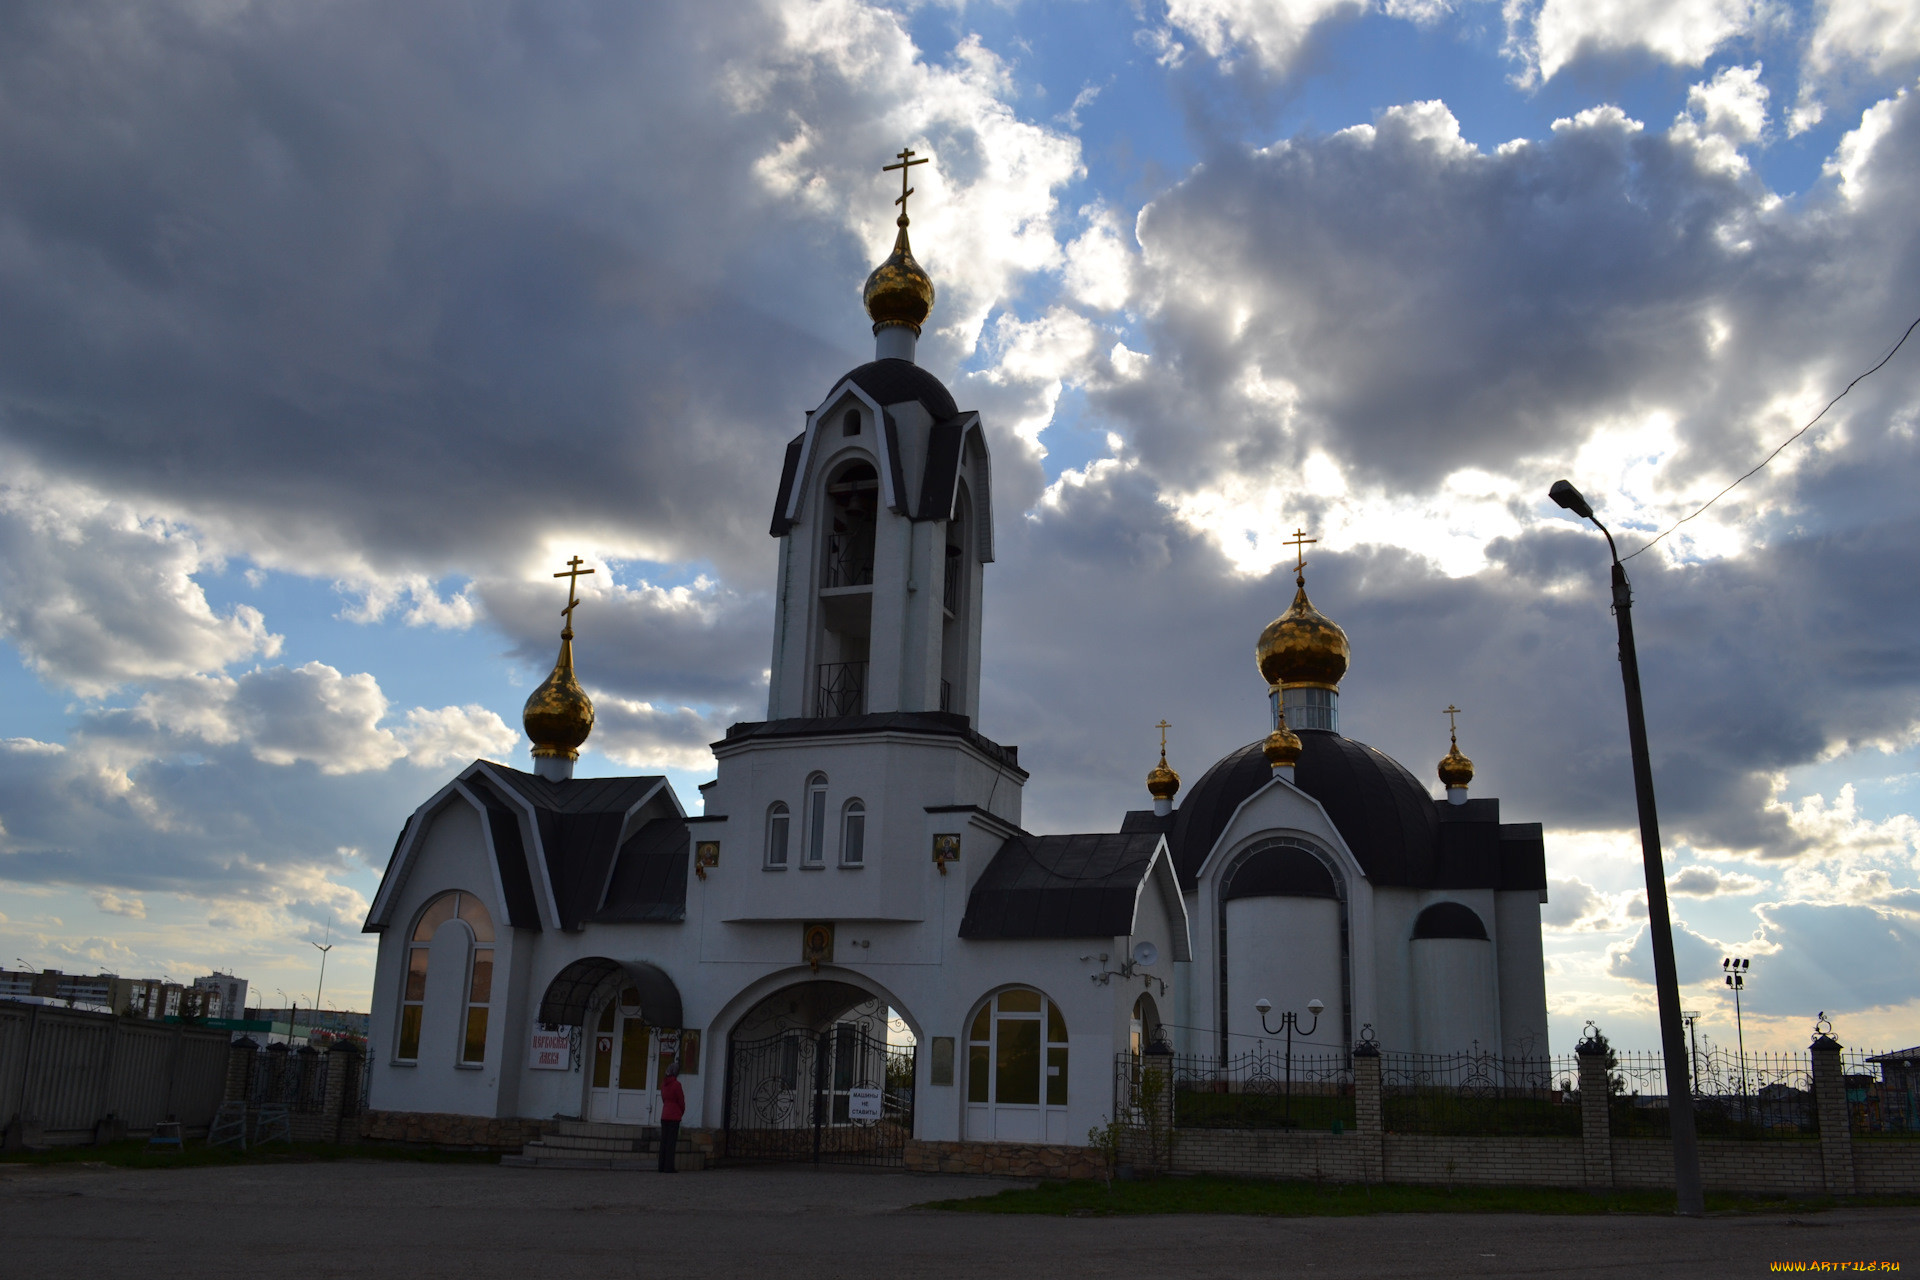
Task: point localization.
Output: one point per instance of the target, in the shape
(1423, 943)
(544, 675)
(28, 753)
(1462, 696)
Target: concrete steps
(584, 1144)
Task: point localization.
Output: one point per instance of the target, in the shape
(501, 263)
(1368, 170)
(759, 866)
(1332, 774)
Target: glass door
(625, 1083)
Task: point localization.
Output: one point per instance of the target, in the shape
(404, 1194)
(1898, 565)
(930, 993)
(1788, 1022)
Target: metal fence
(1883, 1092)
(1479, 1093)
(65, 1071)
(1749, 1096)
(297, 1079)
(1255, 1090)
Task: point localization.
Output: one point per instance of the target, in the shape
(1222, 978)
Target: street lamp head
(1264, 1006)
(1314, 1006)
(1569, 497)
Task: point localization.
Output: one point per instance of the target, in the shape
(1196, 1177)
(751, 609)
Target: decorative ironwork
(842, 690)
(1247, 1091)
(956, 565)
(809, 1095)
(1752, 1095)
(850, 558)
(1478, 1092)
(1883, 1092)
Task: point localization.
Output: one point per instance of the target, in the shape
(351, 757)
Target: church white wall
(897, 777)
(1394, 911)
(1286, 950)
(1278, 810)
(1456, 998)
(1522, 974)
(452, 854)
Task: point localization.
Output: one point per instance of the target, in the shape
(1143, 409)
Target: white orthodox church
(856, 928)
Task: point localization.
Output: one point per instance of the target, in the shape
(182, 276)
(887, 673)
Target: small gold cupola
(1282, 749)
(559, 715)
(899, 294)
(1162, 783)
(1302, 656)
(1456, 771)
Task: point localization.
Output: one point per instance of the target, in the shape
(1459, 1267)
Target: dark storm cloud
(1439, 308)
(405, 286)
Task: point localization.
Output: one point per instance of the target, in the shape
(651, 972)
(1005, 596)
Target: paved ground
(475, 1222)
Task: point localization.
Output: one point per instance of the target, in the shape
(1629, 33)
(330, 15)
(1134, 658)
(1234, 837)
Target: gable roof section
(579, 823)
(509, 856)
(649, 880)
(1064, 886)
(940, 482)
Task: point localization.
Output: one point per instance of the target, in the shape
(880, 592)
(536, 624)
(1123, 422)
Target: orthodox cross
(1300, 542)
(1453, 729)
(1163, 726)
(906, 163)
(572, 574)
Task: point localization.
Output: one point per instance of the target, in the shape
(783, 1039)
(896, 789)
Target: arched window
(1450, 920)
(814, 854)
(853, 834)
(453, 905)
(853, 505)
(1017, 1069)
(850, 425)
(777, 823)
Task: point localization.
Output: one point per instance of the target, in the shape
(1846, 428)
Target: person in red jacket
(673, 1105)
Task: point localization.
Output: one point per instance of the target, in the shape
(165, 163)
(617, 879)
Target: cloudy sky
(327, 330)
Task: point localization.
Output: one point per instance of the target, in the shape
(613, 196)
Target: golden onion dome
(559, 715)
(1282, 747)
(1303, 646)
(1455, 769)
(898, 291)
(1162, 782)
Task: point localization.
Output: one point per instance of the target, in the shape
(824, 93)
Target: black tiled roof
(945, 724)
(579, 822)
(789, 469)
(1072, 886)
(650, 876)
(894, 381)
(1399, 833)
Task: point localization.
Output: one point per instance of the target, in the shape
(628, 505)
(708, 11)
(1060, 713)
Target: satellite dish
(1145, 953)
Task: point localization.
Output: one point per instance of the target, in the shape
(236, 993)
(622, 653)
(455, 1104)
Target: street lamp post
(1735, 968)
(1288, 1021)
(1686, 1150)
(323, 968)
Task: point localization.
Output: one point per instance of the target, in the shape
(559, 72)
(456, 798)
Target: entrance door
(626, 1070)
(839, 1096)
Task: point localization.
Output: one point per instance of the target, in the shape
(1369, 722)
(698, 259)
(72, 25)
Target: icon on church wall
(706, 853)
(946, 848)
(816, 945)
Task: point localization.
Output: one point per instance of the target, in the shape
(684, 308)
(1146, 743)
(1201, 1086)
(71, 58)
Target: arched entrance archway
(820, 1071)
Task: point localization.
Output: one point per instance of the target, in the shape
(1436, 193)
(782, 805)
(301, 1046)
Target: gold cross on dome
(1163, 726)
(1452, 727)
(1299, 542)
(906, 163)
(572, 574)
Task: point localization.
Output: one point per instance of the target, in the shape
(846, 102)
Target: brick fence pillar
(239, 1062)
(1368, 1113)
(1596, 1098)
(1830, 1107)
(343, 1080)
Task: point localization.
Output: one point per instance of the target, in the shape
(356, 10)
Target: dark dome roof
(894, 381)
(1382, 811)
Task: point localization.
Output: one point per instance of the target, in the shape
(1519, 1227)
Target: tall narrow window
(473, 1048)
(478, 994)
(777, 822)
(815, 853)
(853, 835)
(850, 425)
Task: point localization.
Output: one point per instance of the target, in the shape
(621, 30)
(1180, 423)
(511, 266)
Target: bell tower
(885, 522)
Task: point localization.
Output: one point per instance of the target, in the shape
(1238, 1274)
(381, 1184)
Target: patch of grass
(136, 1154)
(1321, 1199)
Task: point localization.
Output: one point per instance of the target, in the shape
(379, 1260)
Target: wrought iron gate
(813, 1096)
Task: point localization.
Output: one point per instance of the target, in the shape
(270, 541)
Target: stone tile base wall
(1008, 1159)
(1886, 1166)
(1783, 1166)
(435, 1129)
(1484, 1162)
(1253, 1153)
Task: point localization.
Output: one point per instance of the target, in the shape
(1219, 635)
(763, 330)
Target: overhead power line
(1784, 443)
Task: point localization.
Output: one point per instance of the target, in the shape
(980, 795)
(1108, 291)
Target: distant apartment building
(219, 995)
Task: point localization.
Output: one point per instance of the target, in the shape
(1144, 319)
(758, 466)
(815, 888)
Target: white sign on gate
(863, 1104)
(551, 1048)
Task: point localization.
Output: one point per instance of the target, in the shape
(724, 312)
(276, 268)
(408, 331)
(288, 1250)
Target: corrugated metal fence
(64, 1071)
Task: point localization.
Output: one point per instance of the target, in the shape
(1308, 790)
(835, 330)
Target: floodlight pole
(1691, 1199)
